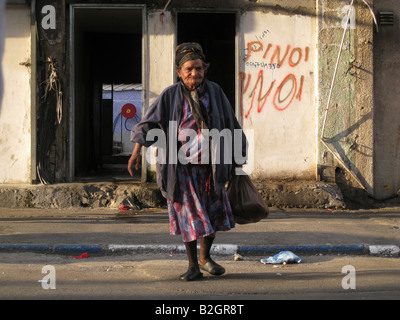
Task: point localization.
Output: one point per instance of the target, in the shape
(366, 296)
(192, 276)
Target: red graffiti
(289, 84)
(279, 105)
(285, 92)
(294, 55)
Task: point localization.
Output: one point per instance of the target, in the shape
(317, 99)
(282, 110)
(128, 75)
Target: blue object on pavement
(282, 257)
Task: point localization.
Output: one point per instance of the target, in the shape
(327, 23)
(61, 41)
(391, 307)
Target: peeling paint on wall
(15, 127)
(350, 119)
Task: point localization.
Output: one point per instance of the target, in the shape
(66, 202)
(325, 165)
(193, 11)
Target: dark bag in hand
(247, 204)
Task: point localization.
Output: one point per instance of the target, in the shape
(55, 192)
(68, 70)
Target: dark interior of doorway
(108, 50)
(216, 33)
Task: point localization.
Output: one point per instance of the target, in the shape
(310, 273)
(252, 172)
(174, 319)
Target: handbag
(247, 204)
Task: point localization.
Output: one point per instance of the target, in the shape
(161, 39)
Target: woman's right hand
(135, 160)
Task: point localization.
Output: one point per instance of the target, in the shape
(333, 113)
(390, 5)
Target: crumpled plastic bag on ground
(282, 257)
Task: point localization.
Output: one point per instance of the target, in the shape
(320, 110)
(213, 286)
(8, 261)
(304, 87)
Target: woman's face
(192, 73)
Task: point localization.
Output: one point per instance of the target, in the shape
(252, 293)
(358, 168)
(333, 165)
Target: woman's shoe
(192, 274)
(213, 268)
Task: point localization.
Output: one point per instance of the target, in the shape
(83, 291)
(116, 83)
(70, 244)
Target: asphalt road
(155, 277)
(141, 278)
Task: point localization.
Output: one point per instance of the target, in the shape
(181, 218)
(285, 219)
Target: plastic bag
(247, 204)
(282, 257)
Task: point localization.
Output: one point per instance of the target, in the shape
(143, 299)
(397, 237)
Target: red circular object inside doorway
(128, 111)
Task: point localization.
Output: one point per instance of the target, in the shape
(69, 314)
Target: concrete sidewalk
(113, 232)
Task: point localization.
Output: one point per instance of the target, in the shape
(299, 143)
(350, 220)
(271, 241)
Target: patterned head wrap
(188, 51)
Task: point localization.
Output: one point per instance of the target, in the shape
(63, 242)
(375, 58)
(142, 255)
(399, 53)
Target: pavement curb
(222, 249)
(306, 249)
(50, 249)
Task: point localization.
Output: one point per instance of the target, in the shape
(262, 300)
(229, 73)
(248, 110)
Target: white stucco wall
(160, 63)
(161, 53)
(15, 115)
(278, 102)
(2, 36)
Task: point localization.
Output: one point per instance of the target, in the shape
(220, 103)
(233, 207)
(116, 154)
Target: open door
(216, 32)
(107, 89)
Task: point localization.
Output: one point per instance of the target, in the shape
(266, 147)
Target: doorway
(106, 80)
(216, 32)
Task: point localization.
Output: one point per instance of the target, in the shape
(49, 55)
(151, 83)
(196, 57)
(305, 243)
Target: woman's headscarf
(188, 51)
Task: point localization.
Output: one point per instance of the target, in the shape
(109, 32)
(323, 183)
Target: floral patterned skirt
(198, 211)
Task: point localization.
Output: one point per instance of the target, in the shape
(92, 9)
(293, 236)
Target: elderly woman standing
(194, 187)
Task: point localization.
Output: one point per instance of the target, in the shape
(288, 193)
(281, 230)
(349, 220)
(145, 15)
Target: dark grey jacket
(168, 107)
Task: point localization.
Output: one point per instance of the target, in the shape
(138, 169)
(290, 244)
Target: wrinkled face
(192, 73)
